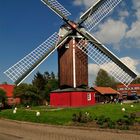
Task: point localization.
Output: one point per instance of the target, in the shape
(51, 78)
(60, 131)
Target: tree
(136, 81)
(27, 94)
(52, 75)
(3, 97)
(50, 86)
(103, 79)
(47, 75)
(39, 82)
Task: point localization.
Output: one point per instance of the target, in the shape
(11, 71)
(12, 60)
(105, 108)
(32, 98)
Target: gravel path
(14, 130)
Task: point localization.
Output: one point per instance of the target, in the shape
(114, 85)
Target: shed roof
(131, 85)
(8, 89)
(106, 90)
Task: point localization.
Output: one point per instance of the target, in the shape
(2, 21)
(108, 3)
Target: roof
(73, 90)
(106, 90)
(8, 89)
(131, 85)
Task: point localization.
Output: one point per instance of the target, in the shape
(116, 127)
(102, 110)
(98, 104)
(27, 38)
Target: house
(72, 97)
(132, 89)
(9, 93)
(105, 94)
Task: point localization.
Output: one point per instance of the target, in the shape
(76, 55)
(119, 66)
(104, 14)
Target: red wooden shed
(72, 97)
(9, 93)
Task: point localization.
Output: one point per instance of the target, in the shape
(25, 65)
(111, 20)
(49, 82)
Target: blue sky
(26, 24)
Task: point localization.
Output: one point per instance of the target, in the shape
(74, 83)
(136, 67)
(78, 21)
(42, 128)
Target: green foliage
(111, 114)
(127, 119)
(39, 91)
(103, 79)
(105, 122)
(136, 81)
(45, 83)
(82, 117)
(3, 97)
(27, 93)
(52, 75)
(39, 82)
(122, 123)
(2, 93)
(47, 75)
(51, 85)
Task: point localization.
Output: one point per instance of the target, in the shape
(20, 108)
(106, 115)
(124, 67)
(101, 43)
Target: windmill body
(72, 62)
(74, 44)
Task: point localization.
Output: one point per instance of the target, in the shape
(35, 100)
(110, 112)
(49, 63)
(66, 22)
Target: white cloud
(134, 32)
(136, 6)
(130, 62)
(93, 69)
(136, 3)
(123, 14)
(111, 31)
(92, 72)
(86, 3)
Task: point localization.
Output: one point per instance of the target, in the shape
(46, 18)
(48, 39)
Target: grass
(64, 116)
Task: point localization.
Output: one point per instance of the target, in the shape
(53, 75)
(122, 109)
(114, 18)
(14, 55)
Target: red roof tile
(8, 89)
(131, 85)
(106, 90)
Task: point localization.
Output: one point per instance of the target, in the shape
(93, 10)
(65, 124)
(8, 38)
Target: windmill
(74, 44)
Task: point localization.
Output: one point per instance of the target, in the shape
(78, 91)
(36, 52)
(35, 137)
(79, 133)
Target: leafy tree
(39, 82)
(103, 79)
(20, 90)
(47, 75)
(27, 93)
(4, 83)
(52, 75)
(3, 97)
(136, 81)
(50, 86)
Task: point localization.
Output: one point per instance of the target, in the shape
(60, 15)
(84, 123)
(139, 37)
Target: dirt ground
(14, 130)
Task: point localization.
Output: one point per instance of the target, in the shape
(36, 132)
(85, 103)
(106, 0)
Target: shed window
(89, 96)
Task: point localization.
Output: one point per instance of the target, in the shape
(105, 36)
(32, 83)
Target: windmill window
(67, 46)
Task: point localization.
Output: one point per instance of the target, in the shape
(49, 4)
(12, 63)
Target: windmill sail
(94, 49)
(97, 12)
(18, 72)
(57, 8)
(107, 60)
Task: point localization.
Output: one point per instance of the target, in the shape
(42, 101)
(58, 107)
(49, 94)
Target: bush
(125, 122)
(129, 119)
(105, 122)
(111, 124)
(101, 120)
(82, 117)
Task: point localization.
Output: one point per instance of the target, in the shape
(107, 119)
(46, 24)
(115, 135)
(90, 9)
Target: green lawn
(64, 116)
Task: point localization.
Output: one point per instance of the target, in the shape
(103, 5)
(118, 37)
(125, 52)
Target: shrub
(82, 117)
(105, 122)
(111, 124)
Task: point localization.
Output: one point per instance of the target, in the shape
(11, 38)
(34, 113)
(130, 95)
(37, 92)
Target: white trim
(74, 64)
(89, 9)
(36, 67)
(52, 9)
(41, 62)
(107, 49)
